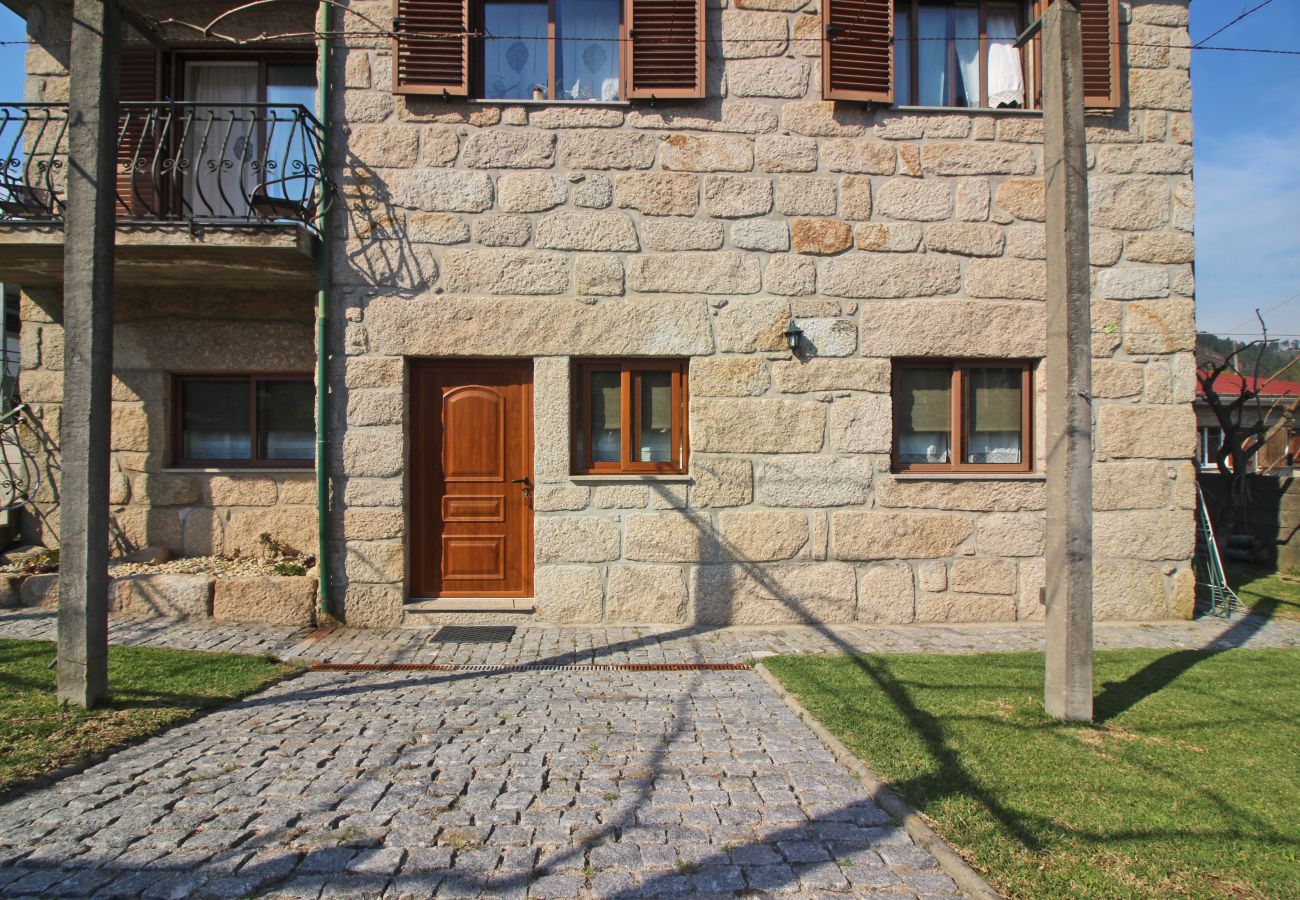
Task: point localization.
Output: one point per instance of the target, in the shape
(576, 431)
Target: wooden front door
(471, 479)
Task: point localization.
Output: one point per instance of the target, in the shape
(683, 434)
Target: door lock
(528, 490)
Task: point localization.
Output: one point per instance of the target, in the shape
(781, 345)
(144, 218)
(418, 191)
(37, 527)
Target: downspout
(324, 590)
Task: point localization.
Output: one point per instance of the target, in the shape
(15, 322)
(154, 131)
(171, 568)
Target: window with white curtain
(958, 54)
(970, 415)
(556, 50)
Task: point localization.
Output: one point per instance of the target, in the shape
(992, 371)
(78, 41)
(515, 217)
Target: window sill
(969, 476)
(973, 110)
(599, 104)
(630, 478)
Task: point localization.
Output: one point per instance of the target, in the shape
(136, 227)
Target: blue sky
(1247, 119)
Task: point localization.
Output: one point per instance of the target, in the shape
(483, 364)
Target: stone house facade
(569, 238)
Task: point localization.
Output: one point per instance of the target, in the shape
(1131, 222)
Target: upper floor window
(957, 54)
(560, 50)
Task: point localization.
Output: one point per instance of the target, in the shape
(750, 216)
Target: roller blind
(995, 399)
(926, 400)
(606, 401)
(657, 401)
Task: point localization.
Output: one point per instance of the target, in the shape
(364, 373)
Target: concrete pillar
(88, 351)
(1068, 682)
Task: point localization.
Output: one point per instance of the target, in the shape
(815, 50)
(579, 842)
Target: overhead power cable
(1220, 31)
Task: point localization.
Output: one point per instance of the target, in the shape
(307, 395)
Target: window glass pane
(966, 31)
(1006, 74)
(924, 415)
(995, 415)
(586, 59)
(288, 145)
(214, 419)
(903, 58)
(948, 55)
(515, 58)
(606, 404)
(932, 56)
(656, 413)
(285, 424)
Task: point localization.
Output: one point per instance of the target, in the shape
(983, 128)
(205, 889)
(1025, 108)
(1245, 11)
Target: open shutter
(138, 183)
(431, 47)
(1099, 22)
(858, 50)
(665, 55)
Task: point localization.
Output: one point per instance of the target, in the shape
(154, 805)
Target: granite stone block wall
(700, 229)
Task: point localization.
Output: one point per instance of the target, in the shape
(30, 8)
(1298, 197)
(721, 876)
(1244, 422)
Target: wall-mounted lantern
(792, 335)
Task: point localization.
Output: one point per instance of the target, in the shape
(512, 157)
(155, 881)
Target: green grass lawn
(149, 690)
(1187, 786)
(1265, 591)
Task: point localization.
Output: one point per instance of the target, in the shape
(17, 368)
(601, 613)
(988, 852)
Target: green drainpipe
(322, 315)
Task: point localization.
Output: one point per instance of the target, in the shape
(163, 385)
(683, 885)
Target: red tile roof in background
(1229, 384)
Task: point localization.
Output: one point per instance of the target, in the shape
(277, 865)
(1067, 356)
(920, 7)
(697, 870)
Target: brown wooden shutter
(137, 156)
(858, 50)
(1099, 22)
(665, 55)
(431, 47)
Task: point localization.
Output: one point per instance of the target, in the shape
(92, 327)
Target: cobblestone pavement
(598, 644)
(561, 783)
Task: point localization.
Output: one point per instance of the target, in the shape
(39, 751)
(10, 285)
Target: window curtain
(517, 61)
(948, 55)
(289, 147)
(1006, 78)
(925, 415)
(995, 415)
(587, 54)
(221, 138)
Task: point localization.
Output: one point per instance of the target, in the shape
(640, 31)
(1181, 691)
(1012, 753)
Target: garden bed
(252, 590)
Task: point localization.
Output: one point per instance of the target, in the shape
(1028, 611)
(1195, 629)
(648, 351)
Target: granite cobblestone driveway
(556, 783)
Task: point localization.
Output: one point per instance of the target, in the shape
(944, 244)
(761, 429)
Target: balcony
(206, 194)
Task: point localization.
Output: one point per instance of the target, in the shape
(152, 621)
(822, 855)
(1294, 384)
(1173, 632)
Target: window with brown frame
(958, 53)
(558, 50)
(963, 416)
(630, 416)
(243, 420)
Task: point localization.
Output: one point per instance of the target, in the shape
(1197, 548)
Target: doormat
(473, 634)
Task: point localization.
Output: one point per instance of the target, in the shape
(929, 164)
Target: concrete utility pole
(1068, 683)
(94, 65)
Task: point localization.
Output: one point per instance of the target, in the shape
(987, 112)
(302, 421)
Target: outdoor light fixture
(792, 334)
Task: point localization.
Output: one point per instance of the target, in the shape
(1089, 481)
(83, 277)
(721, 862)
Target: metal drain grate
(532, 667)
(473, 634)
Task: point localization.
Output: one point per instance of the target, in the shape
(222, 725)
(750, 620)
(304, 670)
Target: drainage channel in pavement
(531, 667)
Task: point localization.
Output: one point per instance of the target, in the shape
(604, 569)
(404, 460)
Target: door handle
(528, 490)
(523, 480)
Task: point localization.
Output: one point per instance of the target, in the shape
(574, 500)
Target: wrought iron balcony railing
(198, 163)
